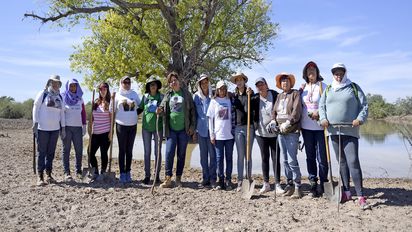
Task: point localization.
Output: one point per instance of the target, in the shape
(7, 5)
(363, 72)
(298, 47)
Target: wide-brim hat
(236, 75)
(291, 77)
(55, 78)
(220, 84)
(153, 80)
(202, 77)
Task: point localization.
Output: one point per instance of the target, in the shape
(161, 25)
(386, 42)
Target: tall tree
(157, 36)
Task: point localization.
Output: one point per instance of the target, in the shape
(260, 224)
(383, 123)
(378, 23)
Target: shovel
(34, 153)
(89, 171)
(331, 187)
(110, 176)
(248, 187)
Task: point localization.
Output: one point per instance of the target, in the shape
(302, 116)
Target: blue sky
(372, 38)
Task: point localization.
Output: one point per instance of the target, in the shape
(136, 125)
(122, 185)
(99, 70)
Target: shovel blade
(331, 191)
(248, 189)
(109, 176)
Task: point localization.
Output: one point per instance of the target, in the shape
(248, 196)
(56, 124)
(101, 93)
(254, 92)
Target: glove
(35, 129)
(84, 130)
(63, 133)
(272, 127)
(284, 126)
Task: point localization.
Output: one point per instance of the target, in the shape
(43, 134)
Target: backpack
(354, 88)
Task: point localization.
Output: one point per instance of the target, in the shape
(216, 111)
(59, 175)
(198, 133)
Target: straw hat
(290, 76)
(238, 74)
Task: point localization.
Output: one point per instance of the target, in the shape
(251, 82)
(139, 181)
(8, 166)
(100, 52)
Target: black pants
(268, 149)
(125, 138)
(99, 141)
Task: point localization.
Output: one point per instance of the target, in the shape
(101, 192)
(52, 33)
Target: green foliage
(403, 106)
(378, 108)
(147, 37)
(11, 109)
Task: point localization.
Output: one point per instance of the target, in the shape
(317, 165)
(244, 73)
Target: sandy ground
(114, 207)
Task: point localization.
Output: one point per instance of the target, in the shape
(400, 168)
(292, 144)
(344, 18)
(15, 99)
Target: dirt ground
(115, 207)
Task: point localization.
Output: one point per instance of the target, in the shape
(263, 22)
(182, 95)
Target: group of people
(217, 121)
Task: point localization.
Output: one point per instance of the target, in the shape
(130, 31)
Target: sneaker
(239, 186)
(79, 175)
(49, 178)
(213, 184)
(68, 177)
(297, 194)
(346, 196)
(363, 204)
(178, 181)
(289, 190)
(122, 178)
(203, 184)
(321, 189)
(40, 180)
(220, 184)
(265, 188)
(229, 185)
(313, 192)
(146, 180)
(128, 177)
(158, 181)
(167, 183)
(279, 189)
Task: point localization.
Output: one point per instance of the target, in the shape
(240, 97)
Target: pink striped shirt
(101, 121)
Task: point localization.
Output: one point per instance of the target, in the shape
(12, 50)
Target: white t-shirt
(310, 101)
(49, 113)
(126, 106)
(220, 114)
(73, 114)
(265, 115)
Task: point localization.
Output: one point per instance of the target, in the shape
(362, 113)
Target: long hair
(105, 101)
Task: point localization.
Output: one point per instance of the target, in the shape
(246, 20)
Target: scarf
(72, 98)
(339, 85)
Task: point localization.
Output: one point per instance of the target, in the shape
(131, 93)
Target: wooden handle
(248, 129)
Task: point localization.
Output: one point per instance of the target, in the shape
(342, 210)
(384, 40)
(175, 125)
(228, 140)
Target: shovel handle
(328, 154)
(248, 130)
(112, 130)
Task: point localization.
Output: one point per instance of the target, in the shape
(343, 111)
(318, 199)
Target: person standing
(201, 101)
(262, 109)
(150, 101)
(240, 99)
(179, 123)
(48, 121)
(312, 133)
(286, 116)
(75, 116)
(101, 128)
(221, 133)
(344, 102)
(126, 102)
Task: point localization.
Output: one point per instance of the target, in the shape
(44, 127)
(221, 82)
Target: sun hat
(290, 76)
(55, 78)
(238, 74)
(220, 84)
(260, 79)
(338, 66)
(153, 79)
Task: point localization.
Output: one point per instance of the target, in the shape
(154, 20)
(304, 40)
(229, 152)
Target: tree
(146, 37)
(378, 108)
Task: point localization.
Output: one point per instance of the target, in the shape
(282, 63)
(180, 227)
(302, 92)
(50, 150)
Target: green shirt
(149, 104)
(177, 116)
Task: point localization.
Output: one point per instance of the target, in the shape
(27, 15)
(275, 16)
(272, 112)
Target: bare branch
(72, 11)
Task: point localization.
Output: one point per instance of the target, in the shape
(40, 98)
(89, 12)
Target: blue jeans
(179, 139)
(46, 147)
(240, 138)
(315, 150)
(349, 164)
(75, 135)
(207, 159)
(147, 144)
(224, 148)
(289, 144)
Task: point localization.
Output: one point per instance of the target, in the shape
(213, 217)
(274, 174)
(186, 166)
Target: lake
(384, 149)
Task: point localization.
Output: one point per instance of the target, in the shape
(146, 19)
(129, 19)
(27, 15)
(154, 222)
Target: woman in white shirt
(312, 132)
(221, 126)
